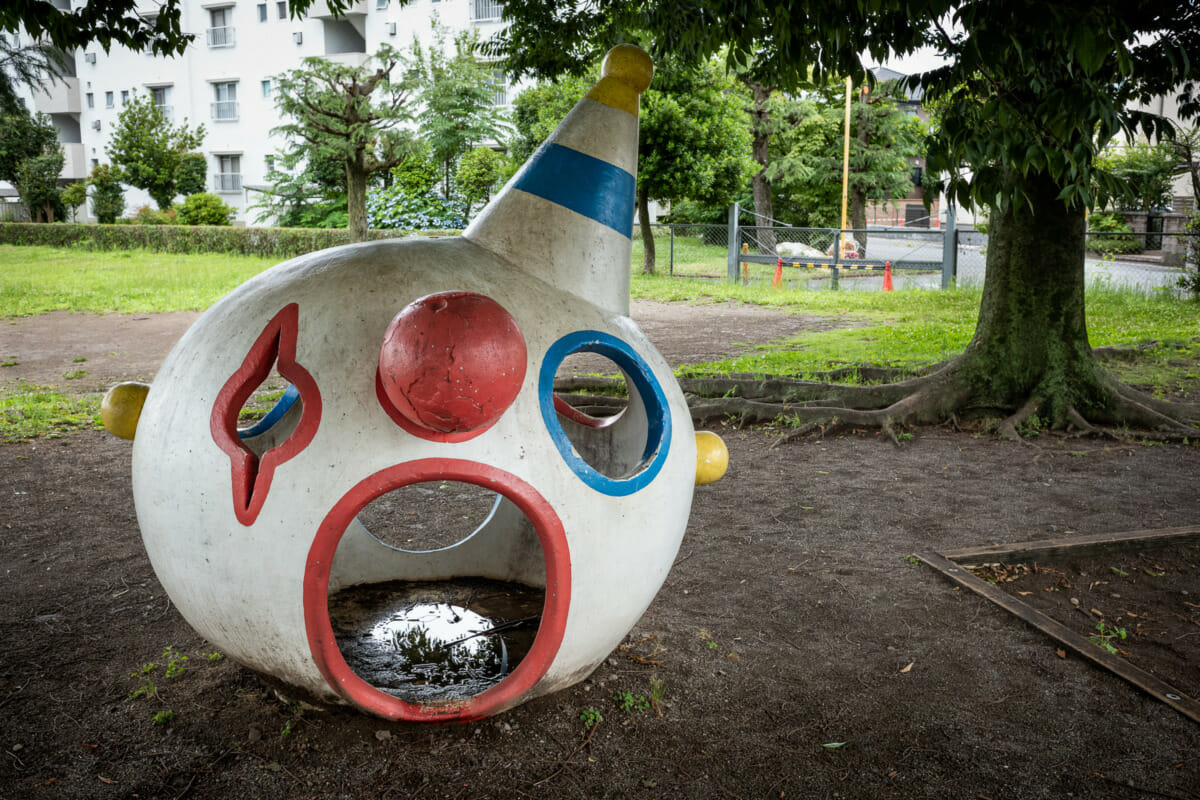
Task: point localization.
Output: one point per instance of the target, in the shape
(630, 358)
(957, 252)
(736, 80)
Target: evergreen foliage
(151, 153)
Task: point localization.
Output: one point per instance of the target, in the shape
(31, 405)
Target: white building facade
(226, 79)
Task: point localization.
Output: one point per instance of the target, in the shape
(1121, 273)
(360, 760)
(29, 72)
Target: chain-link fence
(1116, 260)
(811, 258)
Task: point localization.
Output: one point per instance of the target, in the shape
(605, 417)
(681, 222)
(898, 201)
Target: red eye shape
(452, 363)
(252, 470)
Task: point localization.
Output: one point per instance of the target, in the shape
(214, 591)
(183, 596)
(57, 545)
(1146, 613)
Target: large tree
(352, 115)
(1030, 94)
(151, 153)
(806, 162)
(693, 140)
(457, 97)
(29, 153)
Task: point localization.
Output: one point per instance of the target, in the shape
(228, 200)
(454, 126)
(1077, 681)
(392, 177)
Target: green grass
(918, 327)
(31, 412)
(35, 280)
(905, 328)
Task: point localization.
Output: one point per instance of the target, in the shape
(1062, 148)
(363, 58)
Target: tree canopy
(457, 99)
(151, 153)
(806, 159)
(1029, 95)
(352, 115)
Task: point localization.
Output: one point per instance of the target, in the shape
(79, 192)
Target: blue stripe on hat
(585, 184)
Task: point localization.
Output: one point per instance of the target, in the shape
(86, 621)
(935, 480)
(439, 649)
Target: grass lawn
(904, 328)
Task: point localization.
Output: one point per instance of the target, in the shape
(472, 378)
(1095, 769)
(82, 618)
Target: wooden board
(947, 565)
(1070, 545)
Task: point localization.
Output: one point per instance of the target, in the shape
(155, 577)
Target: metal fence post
(950, 247)
(732, 252)
(671, 228)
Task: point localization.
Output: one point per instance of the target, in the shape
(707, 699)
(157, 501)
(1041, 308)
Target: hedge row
(270, 242)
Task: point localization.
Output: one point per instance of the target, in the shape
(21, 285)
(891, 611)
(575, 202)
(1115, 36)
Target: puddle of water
(431, 642)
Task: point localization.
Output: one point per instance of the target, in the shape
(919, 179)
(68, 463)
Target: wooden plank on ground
(1080, 644)
(1070, 545)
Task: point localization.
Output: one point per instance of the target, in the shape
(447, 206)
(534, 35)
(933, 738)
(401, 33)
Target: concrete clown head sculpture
(419, 376)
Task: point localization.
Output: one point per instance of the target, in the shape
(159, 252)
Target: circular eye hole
(617, 453)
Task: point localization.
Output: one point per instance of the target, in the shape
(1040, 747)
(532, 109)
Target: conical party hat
(567, 215)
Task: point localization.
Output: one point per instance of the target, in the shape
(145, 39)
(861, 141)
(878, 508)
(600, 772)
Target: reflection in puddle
(427, 642)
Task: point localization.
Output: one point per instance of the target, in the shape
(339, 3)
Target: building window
(262, 12)
(221, 31)
(108, 99)
(266, 88)
(225, 107)
(281, 9)
(270, 162)
(161, 96)
(499, 86)
(229, 174)
(124, 96)
(380, 5)
(91, 100)
(486, 10)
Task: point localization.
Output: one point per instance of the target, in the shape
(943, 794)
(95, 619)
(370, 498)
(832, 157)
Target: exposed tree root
(1007, 429)
(937, 397)
(940, 393)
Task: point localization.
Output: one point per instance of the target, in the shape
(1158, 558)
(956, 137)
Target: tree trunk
(648, 254)
(764, 213)
(1031, 341)
(858, 219)
(356, 200)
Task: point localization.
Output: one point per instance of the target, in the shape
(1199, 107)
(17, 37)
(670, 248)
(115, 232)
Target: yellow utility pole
(845, 169)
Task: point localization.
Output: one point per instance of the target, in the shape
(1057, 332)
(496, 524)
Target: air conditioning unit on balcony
(89, 58)
(95, 124)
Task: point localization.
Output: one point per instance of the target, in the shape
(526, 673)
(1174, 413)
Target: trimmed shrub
(204, 209)
(267, 242)
(1108, 234)
(152, 216)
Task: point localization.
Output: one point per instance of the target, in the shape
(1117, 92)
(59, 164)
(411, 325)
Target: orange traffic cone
(778, 282)
(887, 276)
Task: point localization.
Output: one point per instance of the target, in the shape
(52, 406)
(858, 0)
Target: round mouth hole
(438, 641)
(428, 516)
(453, 633)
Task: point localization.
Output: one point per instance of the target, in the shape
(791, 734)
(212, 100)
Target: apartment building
(226, 79)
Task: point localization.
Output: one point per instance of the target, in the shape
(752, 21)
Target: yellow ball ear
(629, 64)
(712, 458)
(122, 407)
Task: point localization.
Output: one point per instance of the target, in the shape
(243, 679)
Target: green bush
(1108, 233)
(108, 198)
(271, 242)
(204, 209)
(152, 216)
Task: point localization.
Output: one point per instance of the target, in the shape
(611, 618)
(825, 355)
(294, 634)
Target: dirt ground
(799, 654)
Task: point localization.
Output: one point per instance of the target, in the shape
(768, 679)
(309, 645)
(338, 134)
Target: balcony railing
(225, 111)
(222, 37)
(486, 10)
(227, 182)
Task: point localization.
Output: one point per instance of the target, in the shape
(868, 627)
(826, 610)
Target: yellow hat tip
(712, 458)
(629, 64)
(122, 407)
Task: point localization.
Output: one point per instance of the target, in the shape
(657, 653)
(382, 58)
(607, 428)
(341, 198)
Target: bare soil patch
(799, 654)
